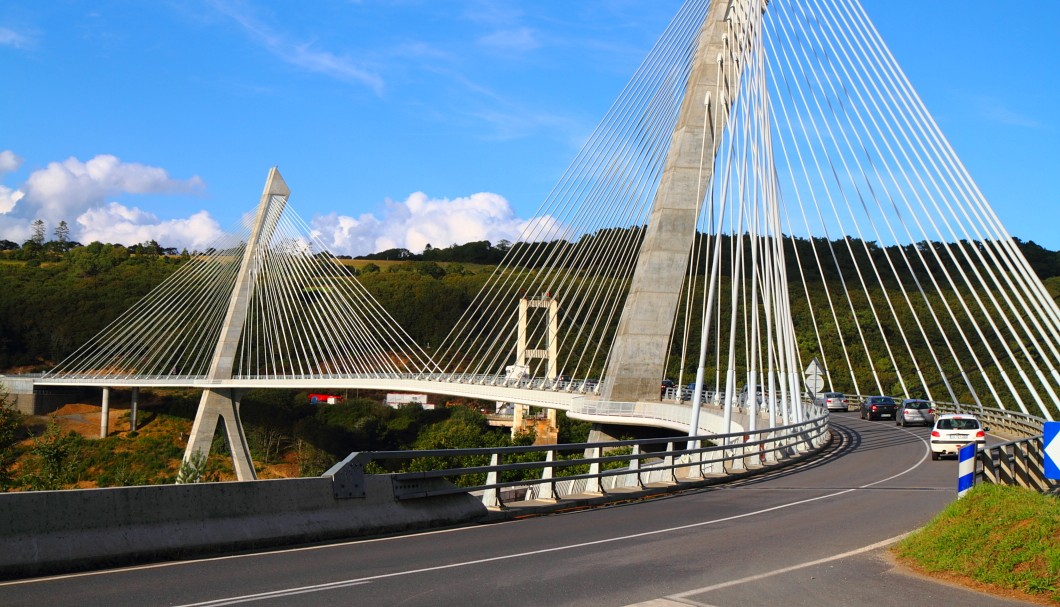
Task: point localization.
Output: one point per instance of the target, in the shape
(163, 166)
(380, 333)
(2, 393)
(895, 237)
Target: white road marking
(762, 576)
(365, 580)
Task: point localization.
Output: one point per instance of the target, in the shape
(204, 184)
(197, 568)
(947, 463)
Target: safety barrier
(560, 472)
(1018, 462)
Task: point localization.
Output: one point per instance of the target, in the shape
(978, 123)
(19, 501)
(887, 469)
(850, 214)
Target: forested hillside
(54, 298)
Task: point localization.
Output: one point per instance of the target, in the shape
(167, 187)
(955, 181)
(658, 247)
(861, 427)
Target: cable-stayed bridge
(768, 189)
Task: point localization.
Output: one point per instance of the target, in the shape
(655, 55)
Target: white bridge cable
(919, 254)
(636, 132)
(909, 280)
(996, 310)
(164, 317)
(1030, 285)
(307, 317)
(848, 108)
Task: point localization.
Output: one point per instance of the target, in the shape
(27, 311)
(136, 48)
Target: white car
(953, 431)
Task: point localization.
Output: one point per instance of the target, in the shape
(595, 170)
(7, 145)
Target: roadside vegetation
(1006, 538)
(288, 437)
(57, 294)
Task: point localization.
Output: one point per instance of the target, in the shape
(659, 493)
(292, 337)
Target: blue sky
(400, 122)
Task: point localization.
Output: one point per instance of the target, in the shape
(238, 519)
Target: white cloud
(118, 223)
(8, 199)
(9, 37)
(420, 220)
(79, 190)
(9, 162)
(299, 54)
(522, 39)
(69, 188)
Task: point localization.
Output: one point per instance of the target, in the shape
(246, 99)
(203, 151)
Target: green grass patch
(1006, 537)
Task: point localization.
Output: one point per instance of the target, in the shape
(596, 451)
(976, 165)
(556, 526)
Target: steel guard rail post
(555, 472)
(1020, 462)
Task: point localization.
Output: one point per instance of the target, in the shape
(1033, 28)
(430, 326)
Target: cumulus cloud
(80, 190)
(118, 223)
(420, 220)
(68, 188)
(9, 162)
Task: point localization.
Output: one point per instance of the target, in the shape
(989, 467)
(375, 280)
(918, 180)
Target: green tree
(37, 231)
(10, 425)
(62, 232)
(55, 461)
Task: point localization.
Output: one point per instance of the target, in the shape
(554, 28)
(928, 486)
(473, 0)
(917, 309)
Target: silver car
(833, 401)
(915, 411)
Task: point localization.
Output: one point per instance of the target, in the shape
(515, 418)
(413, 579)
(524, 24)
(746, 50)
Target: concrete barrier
(52, 531)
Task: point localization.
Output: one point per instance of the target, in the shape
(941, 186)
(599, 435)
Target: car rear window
(958, 424)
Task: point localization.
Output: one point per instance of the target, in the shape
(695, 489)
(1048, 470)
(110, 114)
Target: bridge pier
(104, 416)
(221, 404)
(133, 405)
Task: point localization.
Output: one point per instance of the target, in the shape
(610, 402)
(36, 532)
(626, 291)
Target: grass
(1007, 538)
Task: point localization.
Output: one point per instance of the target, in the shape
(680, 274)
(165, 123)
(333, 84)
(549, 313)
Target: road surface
(814, 535)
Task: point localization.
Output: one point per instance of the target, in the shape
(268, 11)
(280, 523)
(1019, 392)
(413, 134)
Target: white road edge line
(320, 587)
(345, 583)
(227, 557)
(761, 576)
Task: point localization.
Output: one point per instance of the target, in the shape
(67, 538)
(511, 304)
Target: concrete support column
(518, 418)
(104, 417)
(132, 409)
(223, 404)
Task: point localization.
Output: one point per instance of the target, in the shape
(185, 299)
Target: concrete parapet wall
(49, 531)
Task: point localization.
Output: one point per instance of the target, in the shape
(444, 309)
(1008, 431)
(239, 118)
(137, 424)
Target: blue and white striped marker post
(965, 469)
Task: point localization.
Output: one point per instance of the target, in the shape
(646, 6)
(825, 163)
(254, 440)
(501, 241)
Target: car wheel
(935, 456)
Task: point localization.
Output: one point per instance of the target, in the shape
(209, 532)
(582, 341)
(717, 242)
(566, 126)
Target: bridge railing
(1008, 423)
(1019, 462)
(558, 472)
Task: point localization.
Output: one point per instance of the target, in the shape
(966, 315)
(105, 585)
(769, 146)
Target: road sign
(814, 368)
(814, 383)
(1051, 440)
(814, 376)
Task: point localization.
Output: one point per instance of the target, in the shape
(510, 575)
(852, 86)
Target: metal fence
(1019, 462)
(559, 472)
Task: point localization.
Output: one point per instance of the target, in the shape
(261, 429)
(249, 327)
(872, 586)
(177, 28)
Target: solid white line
(342, 583)
(761, 576)
(346, 583)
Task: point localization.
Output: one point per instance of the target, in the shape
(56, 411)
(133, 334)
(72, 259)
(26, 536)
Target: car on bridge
(955, 430)
(833, 401)
(915, 411)
(875, 407)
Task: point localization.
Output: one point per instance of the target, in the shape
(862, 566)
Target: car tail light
(931, 411)
(874, 407)
(980, 434)
(936, 434)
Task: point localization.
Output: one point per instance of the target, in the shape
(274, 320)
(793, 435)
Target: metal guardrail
(1000, 421)
(1018, 463)
(556, 472)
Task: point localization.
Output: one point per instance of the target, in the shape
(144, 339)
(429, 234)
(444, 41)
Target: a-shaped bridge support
(224, 403)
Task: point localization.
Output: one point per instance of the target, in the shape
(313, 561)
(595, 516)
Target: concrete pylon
(224, 403)
(638, 356)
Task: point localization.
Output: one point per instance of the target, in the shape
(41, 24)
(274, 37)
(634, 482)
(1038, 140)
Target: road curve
(813, 536)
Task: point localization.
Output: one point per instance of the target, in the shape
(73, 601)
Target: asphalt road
(811, 536)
